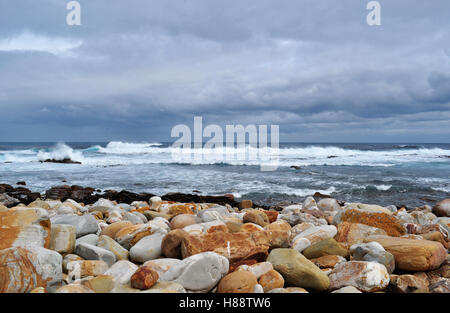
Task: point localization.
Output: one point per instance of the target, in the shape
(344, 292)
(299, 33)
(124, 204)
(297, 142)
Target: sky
(134, 69)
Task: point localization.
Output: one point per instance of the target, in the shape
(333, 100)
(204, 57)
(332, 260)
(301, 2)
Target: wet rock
(7, 200)
(237, 282)
(246, 204)
(24, 269)
(200, 272)
(411, 254)
(365, 276)
(373, 252)
(297, 270)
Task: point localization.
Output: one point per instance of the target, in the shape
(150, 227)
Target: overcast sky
(136, 68)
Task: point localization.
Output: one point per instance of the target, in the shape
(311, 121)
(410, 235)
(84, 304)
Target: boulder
(297, 270)
(385, 221)
(365, 276)
(257, 269)
(200, 272)
(122, 271)
(62, 238)
(373, 252)
(312, 235)
(110, 244)
(411, 254)
(162, 265)
(24, 227)
(166, 287)
(85, 224)
(182, 220)
(442, 208)
(328, 261)
(148, 248)
(91, 239)
(257, 217)
(328, 204)
(171, 243)
(347, 289)
(234, 246)
(84, 268)
(352, 233)
(408, 284)
(271, 280)
(144, 278)
(100, 283)
(23, 269)
(237, 282)
(113, 228)
(74, 288)
(328, 246)
(129, 236)
(91, 252)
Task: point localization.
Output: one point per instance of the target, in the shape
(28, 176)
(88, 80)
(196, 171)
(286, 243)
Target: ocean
(384, 174)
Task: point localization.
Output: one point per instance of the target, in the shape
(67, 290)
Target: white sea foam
(60, 152)
(126, 153)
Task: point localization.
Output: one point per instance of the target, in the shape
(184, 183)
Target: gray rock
(200, 272)
(91, 239)
(90, 252)
(127, 216)
(148, 248)
(373, 252)
(328, 204)
(122, 271)
(86, 224)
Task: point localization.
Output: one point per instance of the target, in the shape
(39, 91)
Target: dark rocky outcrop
(64, 161)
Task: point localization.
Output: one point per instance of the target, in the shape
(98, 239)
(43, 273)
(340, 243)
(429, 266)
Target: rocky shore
(78, 240)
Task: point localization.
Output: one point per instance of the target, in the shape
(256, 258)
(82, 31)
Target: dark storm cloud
(134, 69)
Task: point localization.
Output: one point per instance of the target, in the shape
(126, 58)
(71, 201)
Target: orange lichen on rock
(233, 246)
(379, 220)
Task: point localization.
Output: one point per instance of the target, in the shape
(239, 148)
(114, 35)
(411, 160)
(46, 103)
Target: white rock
(86, 224)
(122, 271)
(148, 248)
(329, 204)
(200, 272)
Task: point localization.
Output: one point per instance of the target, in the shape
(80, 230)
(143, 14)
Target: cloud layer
(134, 69)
